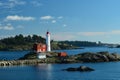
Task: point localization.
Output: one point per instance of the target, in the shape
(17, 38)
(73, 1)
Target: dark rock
(117, 56)
(86, 57)
(30, 55)
(105, 58)
(85, 68)
(81, 68)
(97, 57)
(71, 69)
(104, 53)
(112, 58)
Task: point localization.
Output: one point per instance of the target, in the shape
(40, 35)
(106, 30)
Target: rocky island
(52, 57)
(78, 58)
(81, 69)
(41, 52)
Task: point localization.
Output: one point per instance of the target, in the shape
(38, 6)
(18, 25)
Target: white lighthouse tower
(48, 41)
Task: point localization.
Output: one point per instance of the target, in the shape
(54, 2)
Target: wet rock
(71, 69)
(112, 58)
(97, 57)
(81, 68)
(85, 68)
(82, 57)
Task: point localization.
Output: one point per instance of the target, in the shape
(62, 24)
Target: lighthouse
(48, 41)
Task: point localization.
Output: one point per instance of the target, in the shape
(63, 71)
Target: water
(91, 49)
(10, 55)
(103, 71)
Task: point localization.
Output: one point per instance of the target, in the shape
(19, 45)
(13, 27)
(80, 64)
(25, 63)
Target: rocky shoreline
(31, 58)
(82, 57)
(96, 57)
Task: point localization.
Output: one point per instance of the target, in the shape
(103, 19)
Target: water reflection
(44, 71)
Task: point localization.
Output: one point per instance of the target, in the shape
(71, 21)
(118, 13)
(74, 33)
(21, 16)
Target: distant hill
(80, 43)
(20, 42)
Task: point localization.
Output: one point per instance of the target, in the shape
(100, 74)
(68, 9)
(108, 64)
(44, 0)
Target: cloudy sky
(84, 20)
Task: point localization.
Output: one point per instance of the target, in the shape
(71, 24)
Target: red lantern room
(39, 47)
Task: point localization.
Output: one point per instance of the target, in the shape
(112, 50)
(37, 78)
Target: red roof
(62, 54)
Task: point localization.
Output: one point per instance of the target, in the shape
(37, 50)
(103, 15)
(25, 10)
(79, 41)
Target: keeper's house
(40, 49)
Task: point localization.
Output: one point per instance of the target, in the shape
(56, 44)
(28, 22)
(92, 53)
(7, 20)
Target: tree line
(20, 42)
(81, 43)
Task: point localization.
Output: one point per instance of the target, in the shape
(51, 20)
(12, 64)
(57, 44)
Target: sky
(81, 20)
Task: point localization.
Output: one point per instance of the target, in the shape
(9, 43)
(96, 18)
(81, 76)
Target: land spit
(22, 62)
(52, 57)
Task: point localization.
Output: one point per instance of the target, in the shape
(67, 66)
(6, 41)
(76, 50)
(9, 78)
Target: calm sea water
(103, 71)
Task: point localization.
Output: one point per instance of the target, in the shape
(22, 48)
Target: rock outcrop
(96, 57)
(31, 58)
(81, 68)
(82, 57)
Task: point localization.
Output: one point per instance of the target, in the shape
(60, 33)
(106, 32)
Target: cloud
(1, 27)
(20, 27)
(6, 36)
(11, 6)
(92, 33)
(106, 33)
(44, 22)
(36, 3)
(60, 17)
(64, 25)
(53, 21)
(63, 36)
(46, 17)
(115, 32)
(1, 3)
(6, 27)
(11, 3)
(75, 35)
(19, 18)
(16, 2)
